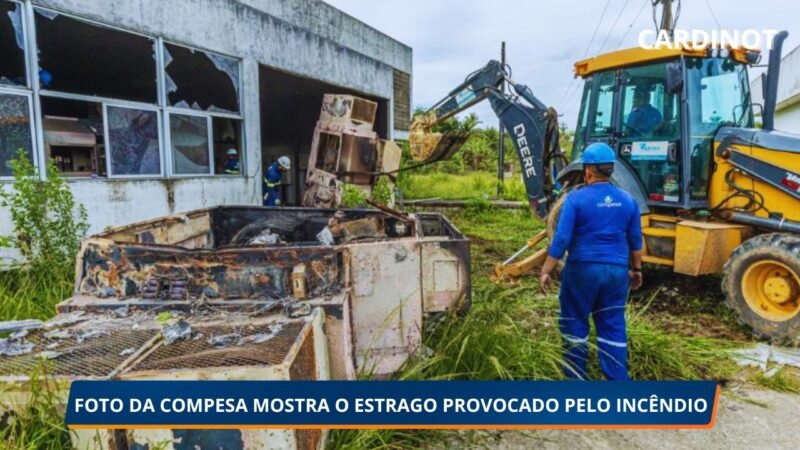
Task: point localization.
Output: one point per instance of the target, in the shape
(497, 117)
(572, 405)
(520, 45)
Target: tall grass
(47, 227)
(29, 295)
(462, 186)
(511, 333)
(38, 425)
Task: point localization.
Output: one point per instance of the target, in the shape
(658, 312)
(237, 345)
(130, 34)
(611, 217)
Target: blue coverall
(599, 226)
(272, 183)
(643, 119)
(231, 166)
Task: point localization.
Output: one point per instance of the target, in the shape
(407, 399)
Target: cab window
(650, 130)
(603, 116)
(719, 95)
(648, 111)
(583, 118)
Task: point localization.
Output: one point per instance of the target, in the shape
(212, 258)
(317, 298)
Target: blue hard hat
(598, 153)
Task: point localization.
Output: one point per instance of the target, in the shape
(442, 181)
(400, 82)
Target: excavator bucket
(429, 146)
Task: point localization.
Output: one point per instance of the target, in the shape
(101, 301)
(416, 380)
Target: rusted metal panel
(387, 307)
(293, 352)
(443, 275)
(293, 308)
(346, 149)
(76, 352)
(445, 266)
(323, 189)
(137, 270)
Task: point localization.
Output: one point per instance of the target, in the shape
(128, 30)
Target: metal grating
(95, 357)
(199, 353)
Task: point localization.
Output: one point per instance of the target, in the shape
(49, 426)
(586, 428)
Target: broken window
(133, 141)
(80, 58)
(15, 130)
(73, 136)
(189, 137)
(12, 44)
(227, 137)
(201, 80)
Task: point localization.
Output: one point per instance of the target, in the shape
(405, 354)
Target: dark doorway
(290, 107)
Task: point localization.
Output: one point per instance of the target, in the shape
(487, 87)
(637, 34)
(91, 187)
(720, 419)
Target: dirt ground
(748, 418)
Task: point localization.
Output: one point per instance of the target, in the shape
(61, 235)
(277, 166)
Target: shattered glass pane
(201, 80)
(82, 58)
(133, 141)
(190, 146)
(15, 130)
(47, 14)
(12, 45)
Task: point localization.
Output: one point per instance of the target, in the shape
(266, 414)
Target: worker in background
(272, 180)
(232, 165)
(599, 226)
(644, 118)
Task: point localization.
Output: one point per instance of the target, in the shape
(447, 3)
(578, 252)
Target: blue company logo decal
(645, 147)
(609, 202)
(649, 150)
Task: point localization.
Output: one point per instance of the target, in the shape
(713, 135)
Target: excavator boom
(532, 126)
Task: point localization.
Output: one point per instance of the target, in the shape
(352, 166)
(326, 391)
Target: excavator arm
(533, 128)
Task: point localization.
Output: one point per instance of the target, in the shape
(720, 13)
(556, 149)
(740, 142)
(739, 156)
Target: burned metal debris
(12, 347)
(341, 293)
(179, 330)
(346, 150)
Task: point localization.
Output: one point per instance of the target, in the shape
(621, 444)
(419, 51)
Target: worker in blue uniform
(643, 118)
(599, 227)
(272, 180)
(232, 165)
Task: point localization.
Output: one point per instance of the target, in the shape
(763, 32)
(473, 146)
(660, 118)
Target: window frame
(107, 142)
(582, 130)
(209, 136)
(31, 125)
(680, 138)
(239, 96)
(34, 92)
(25, 50)
(169, 109)
(28, 91)
(35, 61)
(595, 107)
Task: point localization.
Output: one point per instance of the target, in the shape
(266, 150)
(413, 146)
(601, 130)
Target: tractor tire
(761, 282)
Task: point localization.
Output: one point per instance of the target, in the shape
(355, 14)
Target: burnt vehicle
(244, 293)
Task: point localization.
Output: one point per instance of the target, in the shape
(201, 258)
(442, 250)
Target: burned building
(137, 102)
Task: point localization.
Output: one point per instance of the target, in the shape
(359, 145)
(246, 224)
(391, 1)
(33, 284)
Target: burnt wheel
(761, 281)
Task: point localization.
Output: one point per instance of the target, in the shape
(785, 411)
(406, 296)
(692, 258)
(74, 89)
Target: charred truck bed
(246, 293)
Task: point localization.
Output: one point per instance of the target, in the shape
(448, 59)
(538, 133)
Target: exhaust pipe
(763, 222)
(773, 73)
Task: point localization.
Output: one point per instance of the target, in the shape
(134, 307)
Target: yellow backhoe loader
(717, 194)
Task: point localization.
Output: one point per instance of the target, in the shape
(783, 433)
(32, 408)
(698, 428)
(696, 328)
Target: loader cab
(661, 113)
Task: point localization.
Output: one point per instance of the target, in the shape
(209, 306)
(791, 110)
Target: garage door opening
(290, 107)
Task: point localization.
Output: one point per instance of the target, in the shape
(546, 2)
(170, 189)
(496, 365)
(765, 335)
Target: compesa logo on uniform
(609, 202)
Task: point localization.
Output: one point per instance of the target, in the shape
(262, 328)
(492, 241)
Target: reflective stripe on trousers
(599, 290)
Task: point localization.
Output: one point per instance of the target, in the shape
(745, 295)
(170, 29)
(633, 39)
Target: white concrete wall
(787, 113)
(304, 37)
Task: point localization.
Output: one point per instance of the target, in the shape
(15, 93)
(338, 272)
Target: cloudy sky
(451, 38)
